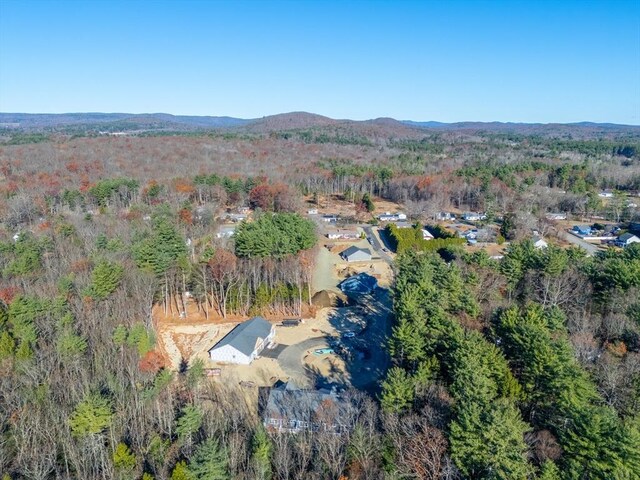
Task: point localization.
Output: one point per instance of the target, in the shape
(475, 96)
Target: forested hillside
(523, 368)
(528, 389)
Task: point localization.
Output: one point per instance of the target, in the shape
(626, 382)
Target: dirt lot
(293, 348)
(336, 204)
(331, 269)
(265, 371)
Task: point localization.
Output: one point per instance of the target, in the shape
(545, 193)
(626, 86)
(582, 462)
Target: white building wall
(228, 354)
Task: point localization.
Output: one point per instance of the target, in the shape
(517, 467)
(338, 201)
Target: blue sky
(446, 60)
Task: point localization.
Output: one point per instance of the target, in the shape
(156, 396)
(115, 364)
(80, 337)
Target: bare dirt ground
(294, 349)
(331, 269)
(337, 204)
(265, 371)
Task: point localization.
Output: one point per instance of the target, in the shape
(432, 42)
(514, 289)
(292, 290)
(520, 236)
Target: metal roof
(245, 336)
(626, 236)
(353, 249)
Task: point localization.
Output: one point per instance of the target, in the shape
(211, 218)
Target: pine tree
(210, 462)
(189, 422)
(105, 279)
(7, 345)
(70, 345)
(124, 460)
(398, 391)
(488, 441)
(181, 472)
(92, 415)
(261, 453)
(549, 471)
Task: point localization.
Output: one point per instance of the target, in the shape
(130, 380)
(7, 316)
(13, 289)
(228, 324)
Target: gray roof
(244, 337)
(626, 236)
(353, 249)
(289, 402)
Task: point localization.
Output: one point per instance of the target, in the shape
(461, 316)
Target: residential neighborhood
(307, 240)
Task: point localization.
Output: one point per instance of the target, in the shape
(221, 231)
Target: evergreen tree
(105, 279)
(189, 422)
(209, 462)
(92, 415)
(70, 345)
(274, 235)
(181, 472)
(7, 345)
(261, 453)
(488, 441)
(398, 391)
(124, 461)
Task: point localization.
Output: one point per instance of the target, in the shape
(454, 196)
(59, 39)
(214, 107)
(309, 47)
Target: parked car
(348, 335)
(323, 351)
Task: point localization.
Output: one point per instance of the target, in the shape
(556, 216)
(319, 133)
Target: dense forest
(523, 368)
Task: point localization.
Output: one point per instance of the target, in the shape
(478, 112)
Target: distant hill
(289, 121)
(45, 120)
(375, 128)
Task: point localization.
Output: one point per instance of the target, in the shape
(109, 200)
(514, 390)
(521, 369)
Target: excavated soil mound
(325, 299)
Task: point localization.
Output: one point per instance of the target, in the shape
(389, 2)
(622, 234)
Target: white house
(355, 254)
(473, 216)
(556, 216)
(392, 217)
(330, 218)
(343, 234)
(244, 343)
(445, 216)
(426, 234)
(312, 211)
(627, 239)
(606, 194)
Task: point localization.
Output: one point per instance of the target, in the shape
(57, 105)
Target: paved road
(376, 243)
(589, 247)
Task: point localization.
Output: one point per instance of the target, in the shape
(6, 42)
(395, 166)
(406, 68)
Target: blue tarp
(361, 283)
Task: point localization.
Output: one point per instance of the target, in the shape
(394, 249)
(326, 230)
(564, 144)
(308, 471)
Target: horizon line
(325, 116)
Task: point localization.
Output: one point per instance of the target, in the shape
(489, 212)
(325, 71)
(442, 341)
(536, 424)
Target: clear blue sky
(447, 60)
